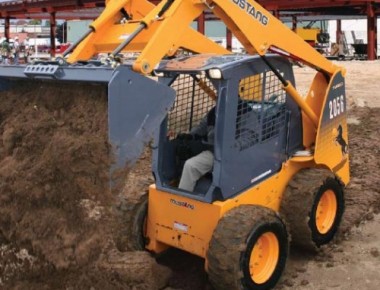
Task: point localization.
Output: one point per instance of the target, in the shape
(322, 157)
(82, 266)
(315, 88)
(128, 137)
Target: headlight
(215, 73)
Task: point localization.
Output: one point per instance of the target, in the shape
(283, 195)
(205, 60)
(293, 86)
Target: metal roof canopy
(26, 8)
(53, 9)
(337, 7)
(17, 8)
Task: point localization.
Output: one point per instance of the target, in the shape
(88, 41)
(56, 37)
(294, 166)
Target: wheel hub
(264, 258)
(326, 211)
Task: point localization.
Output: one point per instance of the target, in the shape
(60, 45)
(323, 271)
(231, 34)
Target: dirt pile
(56, 218)
(363, 192)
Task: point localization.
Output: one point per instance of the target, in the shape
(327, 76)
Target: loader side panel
(331, 148)
(180, 222)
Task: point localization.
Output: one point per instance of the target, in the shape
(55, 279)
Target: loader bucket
(136, 104)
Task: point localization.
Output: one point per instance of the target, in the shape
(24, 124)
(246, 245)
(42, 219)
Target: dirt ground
(57, 218)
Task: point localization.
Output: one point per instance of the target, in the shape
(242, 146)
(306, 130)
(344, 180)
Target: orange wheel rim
(326, 211)
(264, 258)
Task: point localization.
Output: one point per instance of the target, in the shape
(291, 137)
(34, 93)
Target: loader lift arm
(142, 24)
(165, 28)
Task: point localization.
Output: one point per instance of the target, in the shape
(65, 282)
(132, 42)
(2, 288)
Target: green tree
(35, 22)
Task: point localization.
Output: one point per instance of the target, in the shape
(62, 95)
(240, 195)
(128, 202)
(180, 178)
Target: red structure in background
(53, 9)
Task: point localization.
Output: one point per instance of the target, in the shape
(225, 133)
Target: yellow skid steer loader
(276, 155)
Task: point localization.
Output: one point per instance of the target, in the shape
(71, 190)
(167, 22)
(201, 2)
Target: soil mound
(56, 219)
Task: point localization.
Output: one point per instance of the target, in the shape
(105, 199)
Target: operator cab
(257, 126)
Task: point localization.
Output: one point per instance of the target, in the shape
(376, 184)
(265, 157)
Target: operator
(16, 50)
(5, 50)
(195, 167)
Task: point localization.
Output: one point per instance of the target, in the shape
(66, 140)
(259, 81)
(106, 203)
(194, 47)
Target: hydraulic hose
(140, 28)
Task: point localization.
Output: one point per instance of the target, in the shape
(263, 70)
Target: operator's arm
(201, 128)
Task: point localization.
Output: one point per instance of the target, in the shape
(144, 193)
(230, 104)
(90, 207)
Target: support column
(338, 30)
(201, 23)
(276, 13)
(294, 23)
(53, 25)
(228, 39)
(371, 32)
(7, 27)
(340, 49)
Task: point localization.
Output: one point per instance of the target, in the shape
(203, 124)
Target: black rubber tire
(299, 206)
(131, 236)
(231, 245)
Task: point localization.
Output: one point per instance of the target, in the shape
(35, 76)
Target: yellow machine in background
(280, 159)
(317, 37)
(309, 34)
